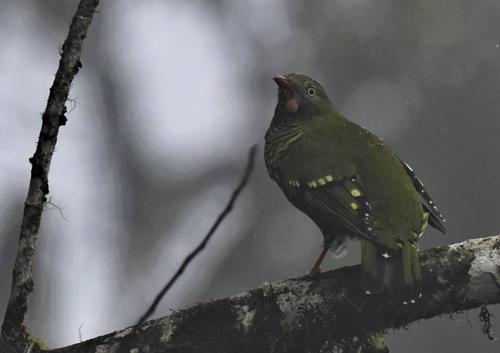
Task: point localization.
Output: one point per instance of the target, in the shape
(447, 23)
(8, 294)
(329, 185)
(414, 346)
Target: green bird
(351, 184)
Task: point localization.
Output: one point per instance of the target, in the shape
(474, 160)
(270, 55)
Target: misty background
(171, 96)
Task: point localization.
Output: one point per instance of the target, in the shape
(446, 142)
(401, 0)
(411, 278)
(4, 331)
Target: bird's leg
(317, 266)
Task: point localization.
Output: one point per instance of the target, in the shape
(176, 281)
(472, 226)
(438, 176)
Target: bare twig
(52, 119)
(229, 207)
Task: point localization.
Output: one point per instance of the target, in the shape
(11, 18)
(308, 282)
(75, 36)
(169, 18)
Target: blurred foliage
(423, 75)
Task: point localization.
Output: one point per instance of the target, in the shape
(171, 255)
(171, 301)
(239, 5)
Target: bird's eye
(311, 91)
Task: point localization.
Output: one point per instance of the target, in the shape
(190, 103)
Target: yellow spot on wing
(355, 193)
(320, 182)
(354, 205)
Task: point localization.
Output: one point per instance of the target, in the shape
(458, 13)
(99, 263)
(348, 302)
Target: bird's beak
(282, 82)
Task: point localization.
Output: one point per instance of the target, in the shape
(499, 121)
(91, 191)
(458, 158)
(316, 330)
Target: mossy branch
(315, 313)
(52, 119)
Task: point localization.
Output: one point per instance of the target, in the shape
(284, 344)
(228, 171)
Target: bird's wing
(436, 219)
(341, 200)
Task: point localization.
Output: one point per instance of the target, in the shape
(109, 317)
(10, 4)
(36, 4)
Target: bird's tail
(397, 269)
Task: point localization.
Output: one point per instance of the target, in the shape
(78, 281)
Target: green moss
(30, 339)
(270, 290)
(167, 337)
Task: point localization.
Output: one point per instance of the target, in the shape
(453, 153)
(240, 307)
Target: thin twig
(52, 119)
(229, 207)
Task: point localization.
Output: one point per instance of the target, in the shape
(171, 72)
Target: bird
(352, 185)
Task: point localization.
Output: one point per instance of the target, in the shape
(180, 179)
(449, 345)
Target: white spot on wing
(407, 166)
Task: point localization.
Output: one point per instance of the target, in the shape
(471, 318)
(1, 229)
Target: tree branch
(317, 312)
(52, 119)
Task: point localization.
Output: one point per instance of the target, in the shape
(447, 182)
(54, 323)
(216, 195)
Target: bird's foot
(315, 270)
(317, 266)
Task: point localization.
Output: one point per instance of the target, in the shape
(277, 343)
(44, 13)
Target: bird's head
(301, 96)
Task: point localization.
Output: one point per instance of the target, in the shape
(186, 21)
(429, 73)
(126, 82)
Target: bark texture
(316, 313)
(52, 119)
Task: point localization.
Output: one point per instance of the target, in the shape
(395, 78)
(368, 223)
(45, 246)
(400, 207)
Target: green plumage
(350, 184)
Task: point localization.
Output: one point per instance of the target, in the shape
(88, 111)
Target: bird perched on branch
(351, 184)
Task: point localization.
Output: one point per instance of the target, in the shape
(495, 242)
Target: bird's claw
(315, 270)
